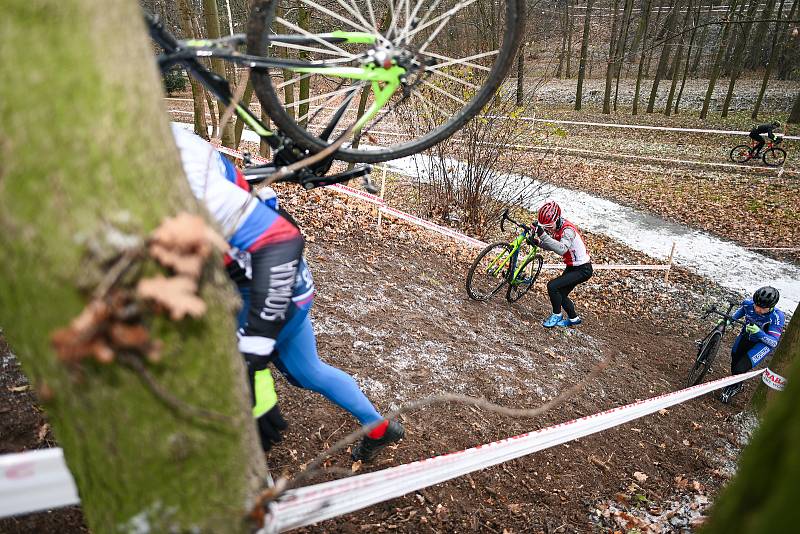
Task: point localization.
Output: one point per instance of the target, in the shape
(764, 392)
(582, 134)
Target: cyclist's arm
(561, 246)
(773, 334)
(738, 314)
(771, 133)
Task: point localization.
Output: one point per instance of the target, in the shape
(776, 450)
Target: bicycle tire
(777, 156)
(740, 154)
(263, 18)
(500, 275)
(705, 358)
(516, 292)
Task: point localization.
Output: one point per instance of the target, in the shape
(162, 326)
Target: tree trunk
(656, 32)
(200, 125)
(303, 21)
(701, 42)
(213, 32)
(773, 54)
(739, 55)
(563, 54)
(762, 497)
(571, 18)
(794, 116)
(666, 49)
(521, 76)
(612, 60)
(733, 38)
(712, 81)
(63, 189)
(584, 50)
(263, 147)
(247, 96)
(756, 54)
(621, 47)
(646, 15)
(789, 51)
(676, 63)
(688, 55)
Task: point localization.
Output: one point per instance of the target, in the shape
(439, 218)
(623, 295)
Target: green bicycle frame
(503, 259)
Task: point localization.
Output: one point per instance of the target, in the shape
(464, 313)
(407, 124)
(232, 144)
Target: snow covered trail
(724, 262)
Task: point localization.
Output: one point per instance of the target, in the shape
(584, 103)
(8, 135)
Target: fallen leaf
(641, 477)
(356, 466)
(43, 432)
(19, 389)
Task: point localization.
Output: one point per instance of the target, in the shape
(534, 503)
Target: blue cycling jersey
(771, 324)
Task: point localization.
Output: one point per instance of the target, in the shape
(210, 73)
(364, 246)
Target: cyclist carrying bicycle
(758, 132)
(267, 264)
(758, 338)
(558, 235)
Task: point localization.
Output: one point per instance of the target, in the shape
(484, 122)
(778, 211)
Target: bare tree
(621, 46)
(688, 55)
(584, 53)
(773, 56)
(676, 62)
(712, 81)
(663, 59)
(213, 32)
(612, 54)
(647, 4)
(739, 55)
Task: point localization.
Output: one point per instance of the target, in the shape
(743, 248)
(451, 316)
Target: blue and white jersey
(771, 324)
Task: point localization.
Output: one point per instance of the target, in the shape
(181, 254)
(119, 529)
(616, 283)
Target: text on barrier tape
(773, 380)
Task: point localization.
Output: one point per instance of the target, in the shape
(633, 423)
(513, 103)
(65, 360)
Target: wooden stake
(669, 261)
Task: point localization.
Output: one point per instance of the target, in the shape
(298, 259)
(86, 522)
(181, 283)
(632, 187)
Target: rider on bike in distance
(758, 338)
(756, 135)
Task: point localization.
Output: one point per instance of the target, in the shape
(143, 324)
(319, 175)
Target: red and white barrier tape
(40, 479)
(312, 504)
(773, 380)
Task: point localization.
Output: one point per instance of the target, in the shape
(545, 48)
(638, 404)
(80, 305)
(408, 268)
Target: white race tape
(773, 380)
(312, 504)
(35, 480)
(40, 480)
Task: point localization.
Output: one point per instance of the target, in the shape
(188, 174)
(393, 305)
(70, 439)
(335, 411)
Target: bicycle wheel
(705, 357)
(774, 157)
(525, 279)
(452, 55)
(489, 272)
(740, 154)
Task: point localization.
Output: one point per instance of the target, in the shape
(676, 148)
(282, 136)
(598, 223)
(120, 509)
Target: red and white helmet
(549, 214)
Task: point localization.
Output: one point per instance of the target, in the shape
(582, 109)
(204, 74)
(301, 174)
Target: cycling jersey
(764, 129)
(567, 241)
(770, 330)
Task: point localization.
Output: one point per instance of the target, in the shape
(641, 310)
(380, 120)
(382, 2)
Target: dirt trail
(391, 310)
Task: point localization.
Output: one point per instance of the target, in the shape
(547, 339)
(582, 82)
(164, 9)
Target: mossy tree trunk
(794, 116)
(763, 495)
(86, 151)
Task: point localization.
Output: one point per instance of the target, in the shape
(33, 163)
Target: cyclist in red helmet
(562, 237)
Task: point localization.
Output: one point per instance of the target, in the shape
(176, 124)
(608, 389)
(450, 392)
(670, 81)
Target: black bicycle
(708, 347)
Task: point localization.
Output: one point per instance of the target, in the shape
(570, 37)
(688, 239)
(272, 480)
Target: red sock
(379, 431)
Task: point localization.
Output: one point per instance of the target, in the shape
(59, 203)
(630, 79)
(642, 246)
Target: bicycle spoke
(337, 16)
(278, 44)
(297, 103)
(317, 38)
(447, 15)
(461, 61)
(454, 79)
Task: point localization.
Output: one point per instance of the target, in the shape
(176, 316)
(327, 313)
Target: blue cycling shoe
(566, 321)
(552, 321)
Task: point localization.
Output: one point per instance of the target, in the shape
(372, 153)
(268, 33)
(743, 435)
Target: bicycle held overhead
(415, 68)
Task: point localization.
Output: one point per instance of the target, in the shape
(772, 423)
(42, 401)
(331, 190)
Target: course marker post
(669, 262)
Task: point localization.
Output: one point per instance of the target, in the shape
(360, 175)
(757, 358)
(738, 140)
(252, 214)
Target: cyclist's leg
(740, 363)
(299, 361)
(759, 139)
(570, 279)
(555, 286)
(757, 354)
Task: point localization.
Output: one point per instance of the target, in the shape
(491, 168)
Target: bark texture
(94, 160)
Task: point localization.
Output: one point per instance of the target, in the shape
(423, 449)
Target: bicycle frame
(384, 81)
(511, 257)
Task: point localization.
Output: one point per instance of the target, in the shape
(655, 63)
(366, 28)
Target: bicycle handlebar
(504, 217)
(714, 311)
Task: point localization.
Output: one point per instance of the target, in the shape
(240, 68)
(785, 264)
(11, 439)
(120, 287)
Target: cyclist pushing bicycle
(558, 235)
(759, 336)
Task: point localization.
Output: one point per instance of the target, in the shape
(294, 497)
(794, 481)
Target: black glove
(534, 241)
(270, 426)
(539, 231)
(268, 416)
